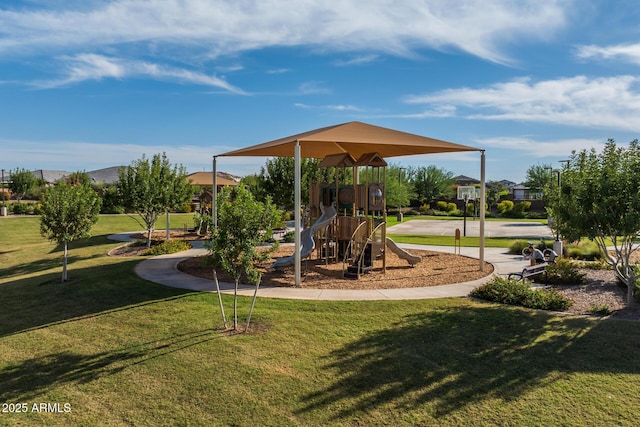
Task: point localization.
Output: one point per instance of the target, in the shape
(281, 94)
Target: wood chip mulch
(436, 268)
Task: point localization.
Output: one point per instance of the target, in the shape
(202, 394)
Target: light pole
(3, 210)
(399, 194)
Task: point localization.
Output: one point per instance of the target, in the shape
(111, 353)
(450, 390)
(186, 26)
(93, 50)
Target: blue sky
(86, 84)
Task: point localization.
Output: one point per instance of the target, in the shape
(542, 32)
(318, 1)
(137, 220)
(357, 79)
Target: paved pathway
(163, 270)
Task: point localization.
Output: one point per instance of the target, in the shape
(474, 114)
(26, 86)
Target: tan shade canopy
(354, 138)
(205, 179)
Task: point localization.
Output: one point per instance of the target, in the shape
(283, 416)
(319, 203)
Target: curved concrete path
(163, 270)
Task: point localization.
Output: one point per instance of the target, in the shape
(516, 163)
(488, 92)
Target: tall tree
(68, 213)
(599, 198)
(151, 188)
(22, 182)
(431, 183)
(538, 177)
(399, 190)
(243, 225)
(278, 179)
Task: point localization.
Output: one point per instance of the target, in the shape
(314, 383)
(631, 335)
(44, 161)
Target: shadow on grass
(457, 357)
(29, 379)
(39, 301)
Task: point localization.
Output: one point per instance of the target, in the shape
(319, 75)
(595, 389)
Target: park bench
(531, 271)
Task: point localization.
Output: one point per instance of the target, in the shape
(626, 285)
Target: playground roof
(355, 138)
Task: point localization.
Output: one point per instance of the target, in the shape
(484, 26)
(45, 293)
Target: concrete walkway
(163, 270)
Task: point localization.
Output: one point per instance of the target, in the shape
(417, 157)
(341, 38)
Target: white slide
(411, 259)
(306, 238)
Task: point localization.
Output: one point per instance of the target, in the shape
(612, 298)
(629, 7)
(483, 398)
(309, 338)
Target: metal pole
(482, 209)
(214, 193)
(297, 213)
(4, 207)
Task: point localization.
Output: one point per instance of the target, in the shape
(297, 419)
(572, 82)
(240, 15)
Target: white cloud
(540, 148)
(607, 102)
(358, 60)
(213, 27)
(624, 52)
(84, 67)
(339, 107)
(73, 156)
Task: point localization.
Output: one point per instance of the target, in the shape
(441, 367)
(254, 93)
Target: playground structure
(348, 216)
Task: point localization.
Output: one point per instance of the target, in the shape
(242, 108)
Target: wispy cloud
(85, 67)
(541, 148)
(73, 155)
(358, 60)
(622, 52)
(208, 28)
(339, 107)
(607, 102)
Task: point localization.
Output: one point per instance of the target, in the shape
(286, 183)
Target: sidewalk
(163, 270)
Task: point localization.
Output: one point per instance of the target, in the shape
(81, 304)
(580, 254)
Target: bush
(167, 247)
(600, 310)
(411, 212)
(451, 207)
(289, 237)
(424, 209)
(586, 250)
(441, 206)
(505, 206)
(564, 272)
(514, 292)
(517, 246)
(21, 208)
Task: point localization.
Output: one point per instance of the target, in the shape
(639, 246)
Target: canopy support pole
(297, 214)
(482, 207)
(214, 194)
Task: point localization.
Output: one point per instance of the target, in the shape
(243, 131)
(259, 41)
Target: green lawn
(122, 351)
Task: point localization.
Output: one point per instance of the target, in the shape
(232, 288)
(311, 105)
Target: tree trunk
(235, 305)
(224, 318)
(64, 264)
(149, 231)
(253, 303)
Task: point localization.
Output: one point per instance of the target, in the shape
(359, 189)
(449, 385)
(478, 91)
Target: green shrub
(21, 208)
(37, 209)
(600, 310)
(424, 208)
(168, 247)
(586, 250)
(564, 272)
(517, 246)
(441, 206)
(411, 212)
(515, 292)
(289, 237)
(505, 206)
(522, 207)
(451, 207)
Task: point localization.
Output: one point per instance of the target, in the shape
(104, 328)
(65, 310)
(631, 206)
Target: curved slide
(306, 238)
(411, 259)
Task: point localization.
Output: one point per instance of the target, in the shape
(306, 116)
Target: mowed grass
(122, 351)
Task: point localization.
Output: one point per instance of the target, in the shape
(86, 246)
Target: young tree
(243, 225)
(431, 183)
(68, 213)
(599, 198)
(398, 190)
(153, 188)
(539, 177)
(277, 179)
(22, 182)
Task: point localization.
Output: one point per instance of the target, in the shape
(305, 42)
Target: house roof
(106, 175)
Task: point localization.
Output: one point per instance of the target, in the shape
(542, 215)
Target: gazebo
(356, 139)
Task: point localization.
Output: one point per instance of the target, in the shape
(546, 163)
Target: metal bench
(531, 271)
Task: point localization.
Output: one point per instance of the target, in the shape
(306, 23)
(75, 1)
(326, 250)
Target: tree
(68, 213)
(398, 190)
(431, 182)
(153, 188)
(243, 225)
(539, 177)
(599, 198)
(22, 182)
(277, 179)
(495, 190)
(77, 178)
